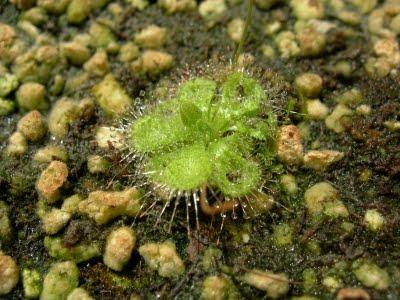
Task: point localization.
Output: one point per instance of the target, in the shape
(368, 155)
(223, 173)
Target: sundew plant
(209, 136)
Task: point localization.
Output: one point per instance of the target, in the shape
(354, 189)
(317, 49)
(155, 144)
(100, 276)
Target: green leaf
(241, 96)
(154, 133)
(190, 114)
(235, 175)
(198, 91)
(184, 169)
(256, 129)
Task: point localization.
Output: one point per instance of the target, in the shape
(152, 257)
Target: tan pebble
(9, 274)
(17, 145)
(51, 180)
(352, 294)
(319, 160)
(151, 37)
(103, 206)
(289, 147)
(32, 126)
(119, 246)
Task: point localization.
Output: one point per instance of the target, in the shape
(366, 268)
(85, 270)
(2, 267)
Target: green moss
(163, 258)
(5, 225)
(61, 280)
(309, 279)
(6, 107)
(371, 275)
(101, 35)
(218, 287)
(121, 281)
(283, 235)
(78, 253)
(31, 281)
(8, 83)
(78, 11)
(211, 256)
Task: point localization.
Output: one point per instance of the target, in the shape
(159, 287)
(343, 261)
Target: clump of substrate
(118, 248)
(163, 258)
(61, 279)
(9, 273)
(213, 135)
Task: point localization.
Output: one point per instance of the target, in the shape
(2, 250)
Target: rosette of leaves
(208, 134)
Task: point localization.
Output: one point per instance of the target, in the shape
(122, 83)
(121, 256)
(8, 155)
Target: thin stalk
(249, 18)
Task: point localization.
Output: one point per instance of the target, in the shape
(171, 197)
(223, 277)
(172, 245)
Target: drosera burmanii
(211, 142)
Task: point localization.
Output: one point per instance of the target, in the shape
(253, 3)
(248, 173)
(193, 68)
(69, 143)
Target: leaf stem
(249, 18)
(212, 210)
